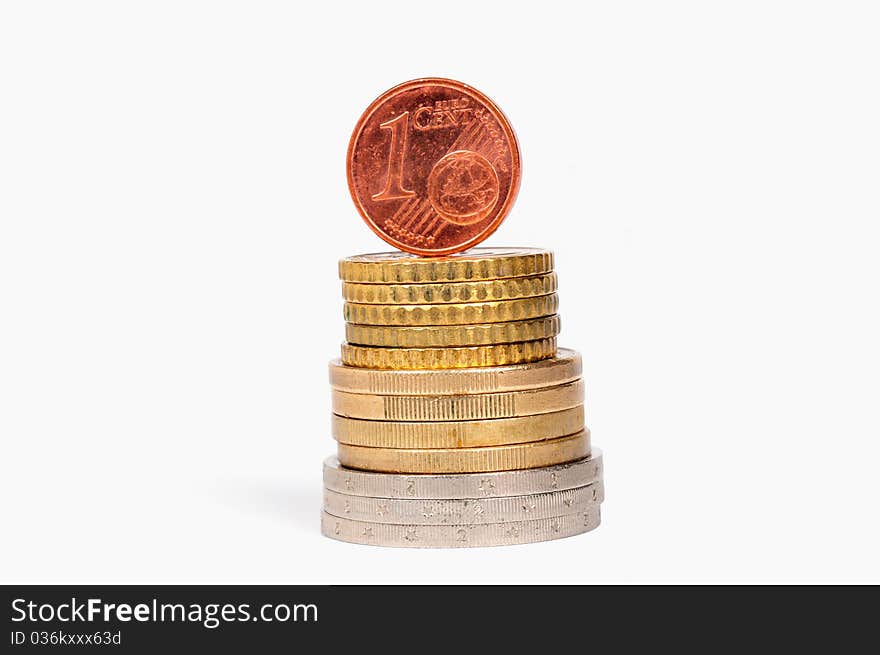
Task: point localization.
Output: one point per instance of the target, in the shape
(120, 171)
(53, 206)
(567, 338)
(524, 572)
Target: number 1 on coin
(394, 190)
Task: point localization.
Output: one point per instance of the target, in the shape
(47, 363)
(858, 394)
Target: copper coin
(433, 166)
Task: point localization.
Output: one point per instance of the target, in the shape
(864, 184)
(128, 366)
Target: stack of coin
(458, 421)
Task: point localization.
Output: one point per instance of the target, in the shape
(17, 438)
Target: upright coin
(433, 166)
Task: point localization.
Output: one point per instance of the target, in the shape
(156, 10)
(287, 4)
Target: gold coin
(441, 358)
(443, 336)
(459, 407)
(467, 460)
(495, 311)
(449, 292)
(457, 434)
(564, 367)
(475, 264)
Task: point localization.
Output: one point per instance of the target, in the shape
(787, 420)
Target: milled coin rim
(475, 264)
(439, 293)
(464, 313)
(458, 407)
(416, 359)
(446, 336)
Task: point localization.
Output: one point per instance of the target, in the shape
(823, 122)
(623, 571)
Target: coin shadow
(287, 501)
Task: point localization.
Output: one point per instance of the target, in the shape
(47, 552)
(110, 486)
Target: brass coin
(457, 434)
(443, 336)
(475, 264)
(443, 358)
(496, 311)
(466, 460)
(563, 367)
(460, 407)
(449, 292)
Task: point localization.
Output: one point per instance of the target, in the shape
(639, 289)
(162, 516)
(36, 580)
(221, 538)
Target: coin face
(433, 166)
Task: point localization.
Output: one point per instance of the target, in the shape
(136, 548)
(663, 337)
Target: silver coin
(459, 536)
(523, 482)
(469, 511)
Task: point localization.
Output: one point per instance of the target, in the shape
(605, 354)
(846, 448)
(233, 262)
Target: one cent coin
(433, 166)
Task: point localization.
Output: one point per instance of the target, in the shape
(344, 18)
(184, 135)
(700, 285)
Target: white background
(173, 204)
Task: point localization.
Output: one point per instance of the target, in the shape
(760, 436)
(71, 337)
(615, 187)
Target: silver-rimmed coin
(459, 536)
(463, 485)
(469, 511)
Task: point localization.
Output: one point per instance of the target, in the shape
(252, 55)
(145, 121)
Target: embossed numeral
(394, 190)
